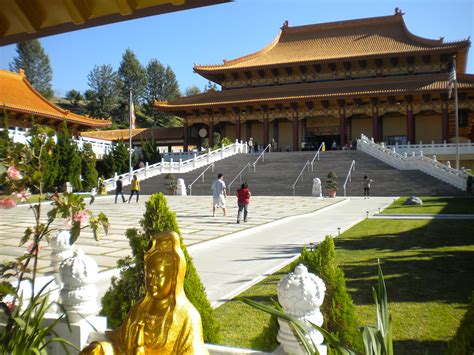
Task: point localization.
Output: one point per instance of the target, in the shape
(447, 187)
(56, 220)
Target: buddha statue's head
(165, 267)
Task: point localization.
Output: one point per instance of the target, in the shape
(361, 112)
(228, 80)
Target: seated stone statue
(164, 321)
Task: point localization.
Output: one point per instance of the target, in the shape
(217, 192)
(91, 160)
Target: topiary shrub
(129, 287)
(463, 341)
(331, 181)
(338, 309)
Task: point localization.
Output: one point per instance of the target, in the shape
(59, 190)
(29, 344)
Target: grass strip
(433, 205)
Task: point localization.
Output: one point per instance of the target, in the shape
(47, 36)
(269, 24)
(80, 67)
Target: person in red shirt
(243, 199)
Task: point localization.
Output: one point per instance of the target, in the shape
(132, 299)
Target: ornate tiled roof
(318, 91)
(165, 134)
(337, 41)
(17, 94)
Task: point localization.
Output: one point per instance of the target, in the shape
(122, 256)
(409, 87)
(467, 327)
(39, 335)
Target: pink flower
(22, 195)
(10, 305)
(30, 247)
(81, 216)
(7, 203)
(13, 173)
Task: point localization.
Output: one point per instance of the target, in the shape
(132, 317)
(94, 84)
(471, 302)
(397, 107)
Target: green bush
(129, 287)
(463, 341)
(331, 182)
(338, 309)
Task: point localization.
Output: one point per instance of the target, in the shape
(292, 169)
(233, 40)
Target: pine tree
(89, 172)
(69, 160)
(128, 288)
(102, 96)
(150, 151)
(121, 158)
(32, 58)
(192, 90)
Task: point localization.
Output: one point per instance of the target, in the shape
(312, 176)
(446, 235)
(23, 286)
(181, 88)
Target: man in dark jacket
(119, 189)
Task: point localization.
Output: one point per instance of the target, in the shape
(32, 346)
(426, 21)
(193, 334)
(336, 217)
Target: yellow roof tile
(17, 94)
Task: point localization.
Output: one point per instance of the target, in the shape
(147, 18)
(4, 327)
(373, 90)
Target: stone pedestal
(301, 293)
(81, 333)
(317, 192)
(181, 188)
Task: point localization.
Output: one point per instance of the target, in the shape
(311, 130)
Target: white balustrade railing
(434, 148)
(349, 175)
(443, 172)
(180, 166)
(100, 147)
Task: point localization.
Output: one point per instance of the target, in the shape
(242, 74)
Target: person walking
(243, 199)
(135, 188)
(219, 194)
(119, 189)
(250, 145)
(93, 193)
(367, 182)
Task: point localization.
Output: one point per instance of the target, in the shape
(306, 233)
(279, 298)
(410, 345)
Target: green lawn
(429, 272)
(245, 327)
(434, 205)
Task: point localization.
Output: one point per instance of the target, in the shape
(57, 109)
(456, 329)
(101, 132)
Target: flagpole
(457, 121)
(130, 139)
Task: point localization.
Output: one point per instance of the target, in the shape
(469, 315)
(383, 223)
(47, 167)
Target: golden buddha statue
(164, 321)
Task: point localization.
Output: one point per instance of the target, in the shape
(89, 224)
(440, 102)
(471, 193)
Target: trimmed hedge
(129, 287)
(338, 309)
(463, 341)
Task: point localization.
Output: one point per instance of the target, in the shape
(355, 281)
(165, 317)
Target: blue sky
(209, 34)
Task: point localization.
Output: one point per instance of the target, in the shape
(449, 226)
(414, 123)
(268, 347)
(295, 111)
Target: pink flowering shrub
(7, 203)
(13, 173)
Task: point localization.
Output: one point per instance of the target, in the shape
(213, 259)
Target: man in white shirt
(219, 194)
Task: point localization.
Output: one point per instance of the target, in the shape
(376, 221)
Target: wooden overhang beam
(79, 11)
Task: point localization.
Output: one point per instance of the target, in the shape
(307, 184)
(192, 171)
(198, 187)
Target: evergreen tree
(163, 86)
(102, 96)
(192, 90)
(89, 172)
(74, 97)
(120, 157)
(132, 76)
(129, 287)
(32, 58)
(150, 151)
(69, 160)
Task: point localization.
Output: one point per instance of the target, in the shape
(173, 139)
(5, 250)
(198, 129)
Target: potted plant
(332, 184)
(171, 183)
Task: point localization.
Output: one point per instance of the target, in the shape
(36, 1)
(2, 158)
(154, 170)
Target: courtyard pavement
(229, 257)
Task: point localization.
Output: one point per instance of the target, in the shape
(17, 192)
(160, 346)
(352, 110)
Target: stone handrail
(239, 175)
(443, 172)
(300, 175)
(316, 156)
(434, 148)
(349, 175)
(179, 166)
(262, 155)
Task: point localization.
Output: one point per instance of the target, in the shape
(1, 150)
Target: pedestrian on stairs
(367, 182)
(243, 199)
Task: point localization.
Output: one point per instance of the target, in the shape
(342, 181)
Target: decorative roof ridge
(264, 50)
(66, 113)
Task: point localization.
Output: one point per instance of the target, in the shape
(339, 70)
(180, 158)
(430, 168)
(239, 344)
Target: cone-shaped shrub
(129, 287)
(338, 309)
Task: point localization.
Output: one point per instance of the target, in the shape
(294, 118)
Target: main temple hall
(333, 82)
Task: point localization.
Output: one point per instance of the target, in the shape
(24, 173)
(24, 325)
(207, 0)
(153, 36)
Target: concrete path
(229, 265)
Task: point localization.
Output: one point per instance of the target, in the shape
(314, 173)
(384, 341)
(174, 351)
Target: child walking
(243, 199)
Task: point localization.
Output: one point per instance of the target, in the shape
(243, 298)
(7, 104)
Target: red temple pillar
(445, 122)
(266, 130)
(211, 132)
(237, 127)
(296, 144)
(410, 120)
(342, 123)
(185, 134)
(375, 120)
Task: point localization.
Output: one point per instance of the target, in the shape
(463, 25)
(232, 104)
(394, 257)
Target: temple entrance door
(313, 141)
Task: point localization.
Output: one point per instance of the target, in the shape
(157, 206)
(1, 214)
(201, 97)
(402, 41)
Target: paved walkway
(193, 214)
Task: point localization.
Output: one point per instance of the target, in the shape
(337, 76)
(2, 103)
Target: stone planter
(331, 192)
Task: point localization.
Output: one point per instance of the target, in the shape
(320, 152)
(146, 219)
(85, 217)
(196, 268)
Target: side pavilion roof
(384, 36)
(17, 95)
(386, 86)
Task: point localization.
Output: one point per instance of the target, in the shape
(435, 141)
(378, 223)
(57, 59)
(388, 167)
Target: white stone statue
(78, 293)
(317, 188)
(61, 249)
(301, 293)
(181, 188)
